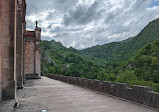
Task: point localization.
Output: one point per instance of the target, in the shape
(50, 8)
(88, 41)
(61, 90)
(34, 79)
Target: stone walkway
(56, 96)
(7, 105)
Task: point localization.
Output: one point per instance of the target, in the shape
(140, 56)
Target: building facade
(33, 53)
(12, 47)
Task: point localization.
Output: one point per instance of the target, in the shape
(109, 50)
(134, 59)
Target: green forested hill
(134, 61)
(142, 69)
(119, 51)
(57, 59)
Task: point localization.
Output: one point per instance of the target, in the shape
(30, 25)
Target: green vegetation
(57, 59)
(134, 61)
(120, 51)
(142, 69)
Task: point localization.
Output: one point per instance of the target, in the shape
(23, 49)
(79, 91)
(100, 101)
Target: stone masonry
(13, 45)
(56, 96)
(20, 56)
(32, 53)
(139, 94)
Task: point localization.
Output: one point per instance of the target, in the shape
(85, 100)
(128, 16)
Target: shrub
(155, 87)
(128, 77)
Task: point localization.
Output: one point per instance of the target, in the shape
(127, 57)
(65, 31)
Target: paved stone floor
(56, 96)
(7, 105)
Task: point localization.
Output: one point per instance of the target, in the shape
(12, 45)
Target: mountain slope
(119, 51)
(142, 69)
(57, 59)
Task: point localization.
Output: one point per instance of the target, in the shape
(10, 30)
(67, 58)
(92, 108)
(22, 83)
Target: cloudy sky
(85, 23)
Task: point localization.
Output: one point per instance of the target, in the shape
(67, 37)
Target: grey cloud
(82, 14)
(59, 5)
(47, 38)
(59, 29)
(82, 25)
(141, 4)
(109, 17)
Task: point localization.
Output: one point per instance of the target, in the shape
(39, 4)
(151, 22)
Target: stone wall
(38, 62)
(139, 94)
(19, 44)
(7, 16)
(0, 51)
(12, 17)
(12, 48)
(29, 57)
(38, 50)
(33, 53)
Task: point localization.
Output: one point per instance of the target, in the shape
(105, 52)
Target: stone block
(8, 30)
(95, 85)
(7, 75)
(108, 87)
(91, 84)
(83, 82)
(61, 78)
(51, 76)
(8, 62)
(19, 82)
(130, 94)
(8, 51)
(64, 78)
(101, 87)
(56, 77)
(72, 80)
(9, 90)
(120, 90)
(67, 79)
(156, 100)
(88, 83)
(153, 99)
(32, 76)
(29, 58)
(78, 81)
(141, 93)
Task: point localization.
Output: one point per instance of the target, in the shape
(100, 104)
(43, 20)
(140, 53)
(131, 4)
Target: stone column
(0, 50)
(23, 39)
(23, 71)
(38, 59)
(19, 45)
(38, 50)
(7, 16)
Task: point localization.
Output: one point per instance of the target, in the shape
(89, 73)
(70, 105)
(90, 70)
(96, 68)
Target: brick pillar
(7, 8)
(19, 51)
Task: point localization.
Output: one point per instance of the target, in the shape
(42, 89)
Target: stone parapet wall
(32, 76)
(139, 94)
